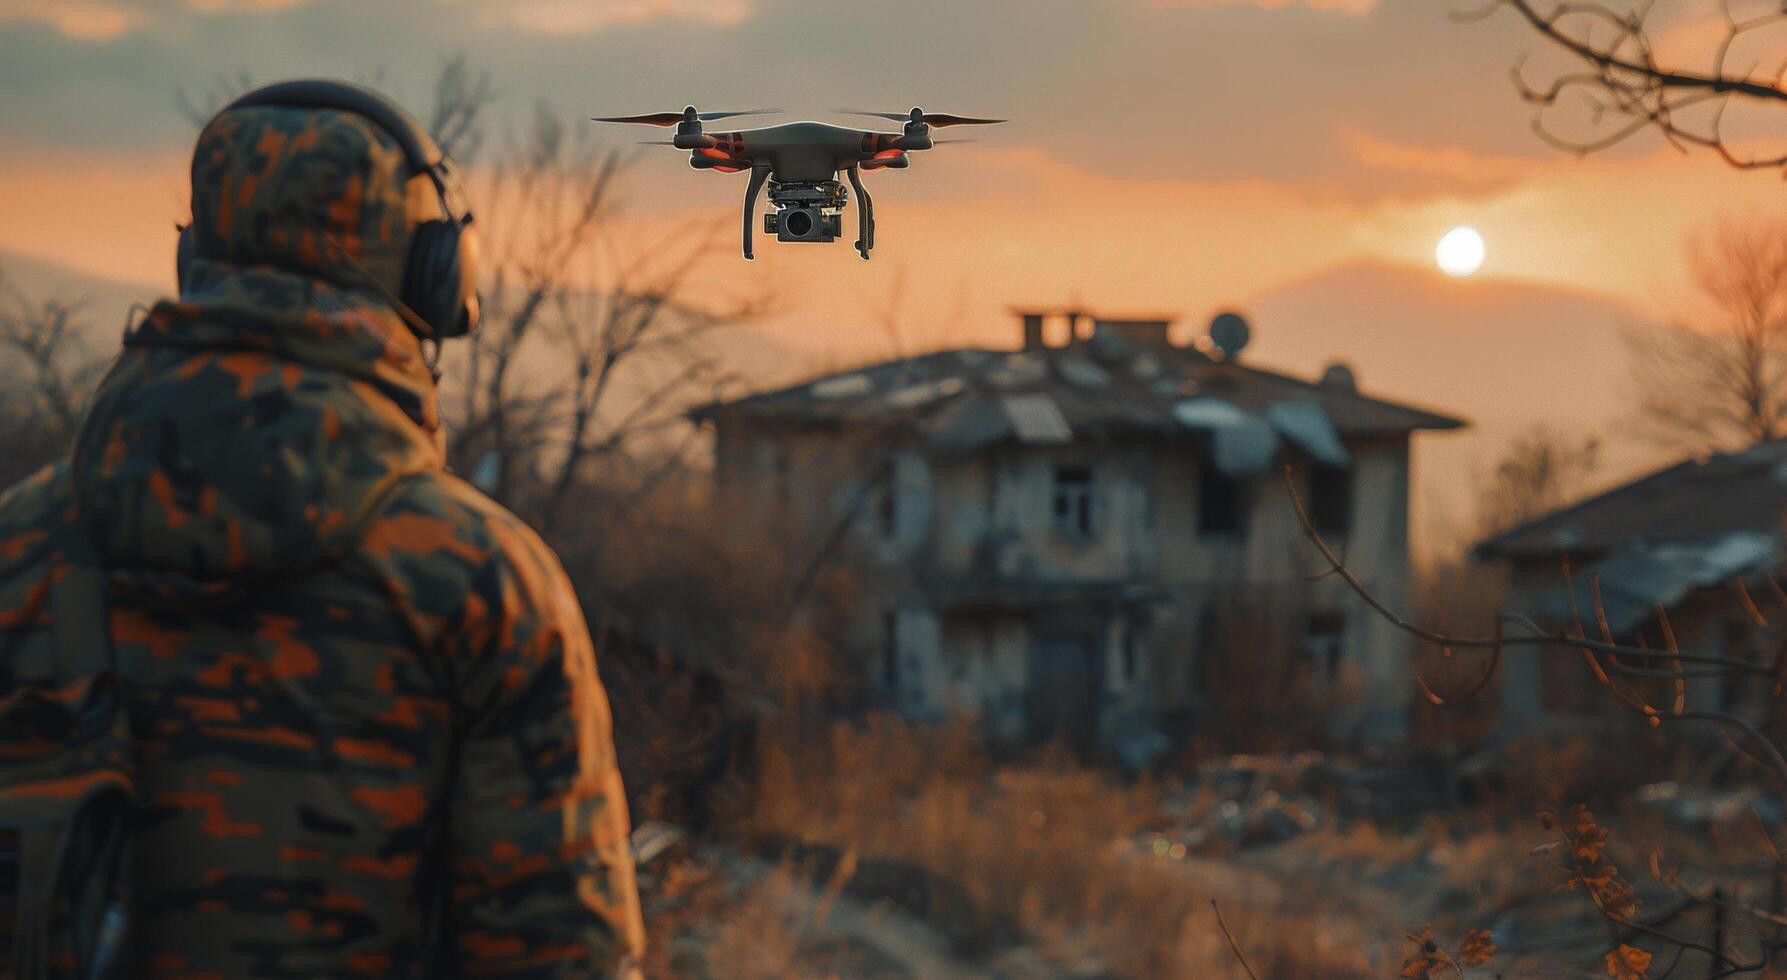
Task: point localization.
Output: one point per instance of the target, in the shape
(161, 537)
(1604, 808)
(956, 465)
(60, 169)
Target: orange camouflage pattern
(361, 694)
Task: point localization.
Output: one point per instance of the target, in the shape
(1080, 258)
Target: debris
(1639, 576)
(842, 386)
(1083, 373)
(1245, 444)
(1700, 806)
(1036, 419)
(926, 392)
(652, 840)
(1306, 426)
(1252, 800)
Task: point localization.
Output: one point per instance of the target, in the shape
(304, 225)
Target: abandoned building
(1693, 547)
(1090, 538)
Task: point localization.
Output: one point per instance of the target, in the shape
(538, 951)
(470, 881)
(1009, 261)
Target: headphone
(439, 288)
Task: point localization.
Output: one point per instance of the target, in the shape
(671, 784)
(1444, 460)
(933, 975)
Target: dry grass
(1041, 853)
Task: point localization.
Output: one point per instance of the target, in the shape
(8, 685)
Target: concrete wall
(962, 518)
(1550, 686)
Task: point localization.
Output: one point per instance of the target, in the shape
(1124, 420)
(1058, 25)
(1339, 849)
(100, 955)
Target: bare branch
(1621, 74)
(1231, 938)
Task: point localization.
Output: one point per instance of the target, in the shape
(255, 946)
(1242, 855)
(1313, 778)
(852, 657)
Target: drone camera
(803, 224)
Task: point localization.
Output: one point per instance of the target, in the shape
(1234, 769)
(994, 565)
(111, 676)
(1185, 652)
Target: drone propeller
(918, 115)
(687, 115)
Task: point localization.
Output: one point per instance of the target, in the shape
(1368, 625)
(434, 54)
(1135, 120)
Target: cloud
(1455, 165)
(233, 6)
(106, 20)
(588, 16)
(1357, 8)
(86, 20)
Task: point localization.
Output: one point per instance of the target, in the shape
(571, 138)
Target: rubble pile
(1254, 800)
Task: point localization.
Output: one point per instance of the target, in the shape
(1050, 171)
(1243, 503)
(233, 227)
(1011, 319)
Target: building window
(1324, 640)
(780, 482)
(1073, 500)
(1207, 673)
(1331, 499)
(887, 507)
(890, 650)
(1222, 503)
(1129, 653)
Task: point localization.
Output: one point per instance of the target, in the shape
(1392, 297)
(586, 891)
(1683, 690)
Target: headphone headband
(419, 149)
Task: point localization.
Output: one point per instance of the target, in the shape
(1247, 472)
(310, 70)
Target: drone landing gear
(865, 211)
(808, 211)
(758, 176)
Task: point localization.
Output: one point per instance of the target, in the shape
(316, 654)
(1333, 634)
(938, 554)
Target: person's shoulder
(29, 509)
(29, 498)
(440, 529)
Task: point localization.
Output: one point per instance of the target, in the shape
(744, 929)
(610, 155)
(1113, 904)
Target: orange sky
(1181, 155)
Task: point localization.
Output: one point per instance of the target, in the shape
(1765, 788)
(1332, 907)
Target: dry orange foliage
(1430, 960)
(1628, 963)
(1476, 949)
(1584, 846)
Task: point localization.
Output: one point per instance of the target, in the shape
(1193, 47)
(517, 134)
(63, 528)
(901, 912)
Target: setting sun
(1460, 252)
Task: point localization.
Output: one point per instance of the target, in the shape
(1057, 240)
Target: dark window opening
(1206, 673)
(887, 508)
(781, 485)
(1222, 503)
(1073, 500)
(890, 650)
(1129, 653)
(1324, 641)
(1331, 499)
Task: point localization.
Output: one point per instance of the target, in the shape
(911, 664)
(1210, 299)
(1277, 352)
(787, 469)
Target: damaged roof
(1639, 576)
(1115, 383)
(1698, 501)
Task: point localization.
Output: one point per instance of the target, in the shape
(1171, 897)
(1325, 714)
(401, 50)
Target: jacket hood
(248, 431)
(317, 191)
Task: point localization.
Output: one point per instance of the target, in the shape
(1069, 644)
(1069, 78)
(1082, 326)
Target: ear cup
(184, 253)
(432, 279)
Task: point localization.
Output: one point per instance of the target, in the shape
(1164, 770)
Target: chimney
(1073, 326)
(1032, 331)
(1138, 333)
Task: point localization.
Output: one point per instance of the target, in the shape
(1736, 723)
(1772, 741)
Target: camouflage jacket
(361, 694)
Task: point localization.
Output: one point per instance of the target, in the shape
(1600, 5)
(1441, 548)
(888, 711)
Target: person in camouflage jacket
(364, 702)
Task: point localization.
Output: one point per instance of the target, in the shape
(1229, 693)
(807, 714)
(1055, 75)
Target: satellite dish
(1340, 375)
(1230, 333)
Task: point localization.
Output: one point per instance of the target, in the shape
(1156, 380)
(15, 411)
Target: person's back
(369, 735)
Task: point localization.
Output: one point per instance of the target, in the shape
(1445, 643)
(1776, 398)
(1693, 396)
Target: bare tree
(198, 107)
(1616, 78)
(593, 345)
(460, 95)
(1539, 471)
(1717, 379)
(51, 375)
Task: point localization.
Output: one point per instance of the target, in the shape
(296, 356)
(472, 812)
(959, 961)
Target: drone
(801, 162)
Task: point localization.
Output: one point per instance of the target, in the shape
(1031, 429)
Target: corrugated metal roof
(1635, 579)
(960, 398)
(1035, 418)
(1692, 501)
